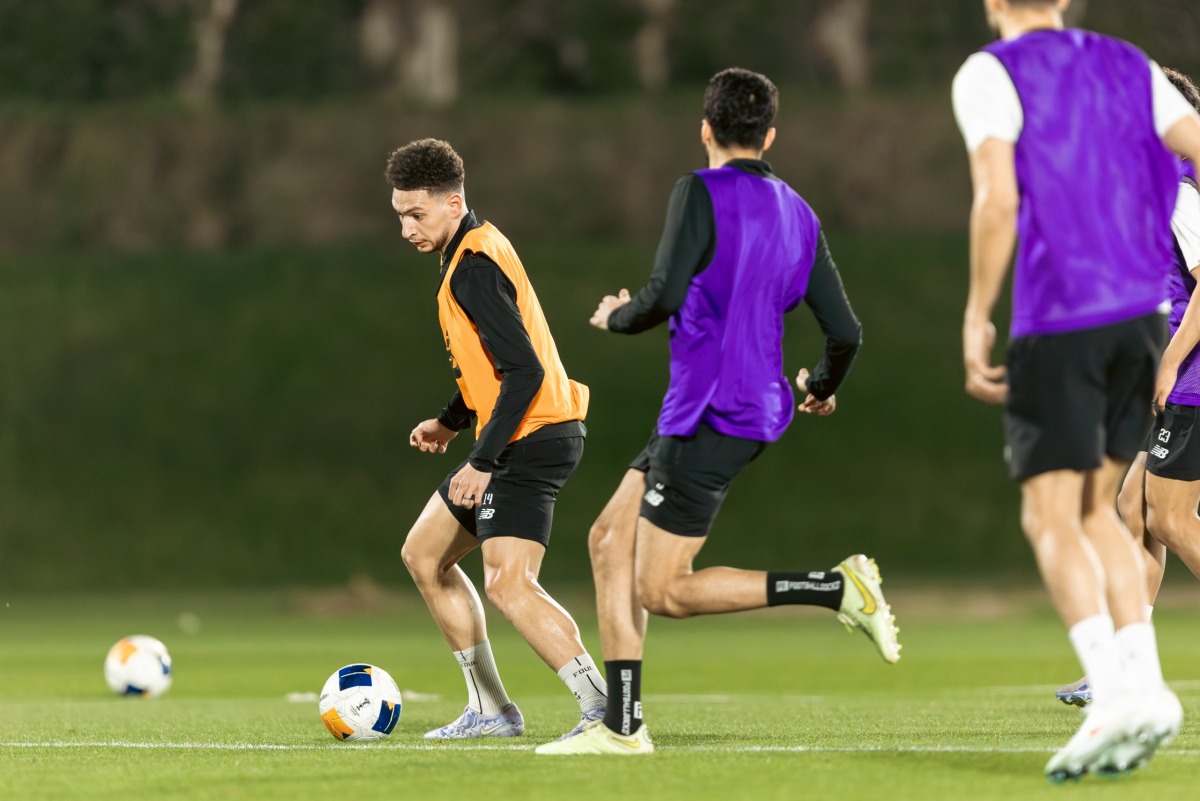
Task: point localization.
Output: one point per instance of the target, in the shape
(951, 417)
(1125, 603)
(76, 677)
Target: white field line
(738, 698)
(459, 747)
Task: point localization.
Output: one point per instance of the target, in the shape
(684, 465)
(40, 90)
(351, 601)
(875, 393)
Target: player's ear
(769, 139)
(706, 134)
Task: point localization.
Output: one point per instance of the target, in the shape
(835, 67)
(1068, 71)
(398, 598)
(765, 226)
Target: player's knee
(421, 565)
(1164, 524)
(504, 587)
(1129, 506)
(655, 597)
(599, 540)
(1032, 523)
(605, 541)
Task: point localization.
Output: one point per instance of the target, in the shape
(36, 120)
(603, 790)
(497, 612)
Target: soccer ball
(138, 665)
(360, 702)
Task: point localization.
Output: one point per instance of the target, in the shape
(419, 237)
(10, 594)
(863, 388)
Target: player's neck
(720, 156)
(1021, 21)
(455, 225)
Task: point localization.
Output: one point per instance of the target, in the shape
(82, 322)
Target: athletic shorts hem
(1170, 453)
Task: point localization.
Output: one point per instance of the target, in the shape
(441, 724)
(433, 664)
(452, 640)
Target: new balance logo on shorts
(1159, 452)
(486, 512)
(654, 497)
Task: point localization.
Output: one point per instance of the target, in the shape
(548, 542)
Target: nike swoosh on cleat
(486, 730)
(868, 607)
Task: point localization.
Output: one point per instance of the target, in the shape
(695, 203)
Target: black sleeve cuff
(455, 415)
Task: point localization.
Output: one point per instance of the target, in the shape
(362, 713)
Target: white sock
(1149, 611)
(485, 691)
(585, 682)
(1137, 649)
(1096, 647)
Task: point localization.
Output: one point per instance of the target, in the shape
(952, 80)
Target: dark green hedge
(91, 50)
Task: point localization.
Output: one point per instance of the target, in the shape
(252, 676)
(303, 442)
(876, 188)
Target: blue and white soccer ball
(360, 702)
(139, 666)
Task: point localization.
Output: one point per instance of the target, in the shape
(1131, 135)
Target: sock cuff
(468, 655)
(577, 667)
(1094, 626)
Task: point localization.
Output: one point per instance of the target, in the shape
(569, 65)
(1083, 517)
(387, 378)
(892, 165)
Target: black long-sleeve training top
(686, 248)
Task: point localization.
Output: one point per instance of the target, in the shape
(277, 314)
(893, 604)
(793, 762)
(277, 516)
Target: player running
(529, 439)
(740, 250)
(1170, 493)
(1066, 131)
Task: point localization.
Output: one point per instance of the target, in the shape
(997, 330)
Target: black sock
(812, 589)
(624, 713)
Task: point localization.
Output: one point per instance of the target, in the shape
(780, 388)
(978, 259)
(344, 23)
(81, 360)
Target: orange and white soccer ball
(360, 702)
(139, 666)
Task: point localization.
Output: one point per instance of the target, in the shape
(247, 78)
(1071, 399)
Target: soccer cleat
(1077, 694)
(864, 607)
(596, 738)
(1156, 719)
(1106, 728)
(596, 713)
(508, 723)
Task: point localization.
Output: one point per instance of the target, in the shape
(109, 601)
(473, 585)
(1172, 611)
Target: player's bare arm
(1184, 138)
(1183, 343)
(993, 239)
(430, 436)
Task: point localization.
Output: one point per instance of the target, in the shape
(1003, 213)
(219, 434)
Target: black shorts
(688, 478)
(519, 500)
(642, 460)
(1077, 397)
(1170, 452)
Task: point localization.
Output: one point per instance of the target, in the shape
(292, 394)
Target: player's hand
(608, 305)
(430, 436)
(1164, 383)
(984, 381)
(467, 487)
(812, 405)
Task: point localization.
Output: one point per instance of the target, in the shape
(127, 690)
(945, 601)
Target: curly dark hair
(740, 107)
(1185, 86)
(428, 164)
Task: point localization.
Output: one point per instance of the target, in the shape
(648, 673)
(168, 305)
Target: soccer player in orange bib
(529, 438)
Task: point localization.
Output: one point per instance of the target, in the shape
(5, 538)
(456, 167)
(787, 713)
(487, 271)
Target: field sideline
(779, 704)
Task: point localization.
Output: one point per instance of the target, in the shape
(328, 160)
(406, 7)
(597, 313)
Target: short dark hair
(428, 164)
(740, 107)
(1185, 86)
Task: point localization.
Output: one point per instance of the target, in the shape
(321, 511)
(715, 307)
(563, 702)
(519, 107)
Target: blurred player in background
(529, 439)
(1066, 132)
(740, 250)
(1170, 494)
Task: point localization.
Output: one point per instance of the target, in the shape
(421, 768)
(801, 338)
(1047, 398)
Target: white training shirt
(987, 106)
(1185, 224)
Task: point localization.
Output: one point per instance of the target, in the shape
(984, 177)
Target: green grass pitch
(773, 705)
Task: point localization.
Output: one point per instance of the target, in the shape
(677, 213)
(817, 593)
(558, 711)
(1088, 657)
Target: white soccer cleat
(1107, 728)
(1156, 719)
(508, 723)
(1077, 694)
(864, 607)
(596, 738)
